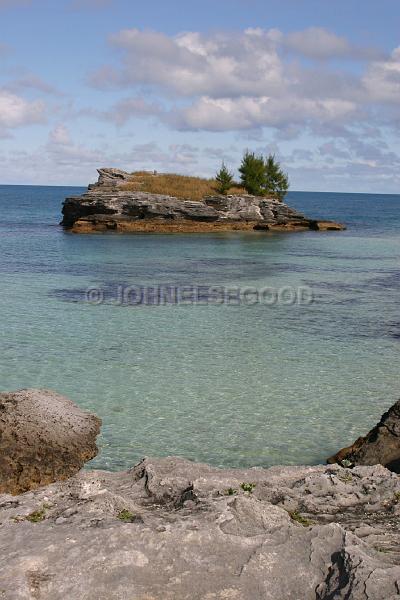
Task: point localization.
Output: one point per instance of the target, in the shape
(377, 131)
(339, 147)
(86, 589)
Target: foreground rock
(106, 206)
(380, 446)
(170, 529)
(44, 437)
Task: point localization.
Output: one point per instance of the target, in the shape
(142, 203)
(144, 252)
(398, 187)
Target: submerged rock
(170, 529)
(44, 437)
(107, 206)
(380, 446)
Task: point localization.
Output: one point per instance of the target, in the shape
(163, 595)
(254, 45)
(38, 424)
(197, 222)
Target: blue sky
(181, 86)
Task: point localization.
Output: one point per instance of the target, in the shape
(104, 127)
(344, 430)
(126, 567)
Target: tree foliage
(224, 179)
(252, 173)
(277, 181)
(263, 176)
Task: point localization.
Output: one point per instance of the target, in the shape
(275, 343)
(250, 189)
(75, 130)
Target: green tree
(224, 179)
(277, 182)
(253, 174)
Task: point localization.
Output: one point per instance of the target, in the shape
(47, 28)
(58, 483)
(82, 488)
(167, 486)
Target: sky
(180, 86)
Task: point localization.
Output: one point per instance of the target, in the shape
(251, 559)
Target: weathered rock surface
(170, 529)
(380, 446)
(107, 206)
(44, 437)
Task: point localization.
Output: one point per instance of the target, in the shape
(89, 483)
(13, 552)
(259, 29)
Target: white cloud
(192, 64)
(246, 113)
(16, 112)
(248, 80)
(382, 79)
(269, 87)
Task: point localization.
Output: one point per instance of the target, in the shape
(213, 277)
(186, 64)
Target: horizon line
(290, 191)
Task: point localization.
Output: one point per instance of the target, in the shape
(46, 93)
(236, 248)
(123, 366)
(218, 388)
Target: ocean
(229, 383)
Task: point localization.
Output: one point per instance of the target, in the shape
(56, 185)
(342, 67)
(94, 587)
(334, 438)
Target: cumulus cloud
(247, 81)
(245, 113)
(16, 111)
(193, 64)
(269, 87)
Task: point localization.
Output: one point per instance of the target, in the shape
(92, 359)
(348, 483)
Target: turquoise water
(227, 384)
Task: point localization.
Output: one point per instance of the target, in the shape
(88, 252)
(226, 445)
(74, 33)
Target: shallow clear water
(227, 384)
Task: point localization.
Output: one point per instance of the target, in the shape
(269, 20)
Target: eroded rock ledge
(171, 529)
(106, 206)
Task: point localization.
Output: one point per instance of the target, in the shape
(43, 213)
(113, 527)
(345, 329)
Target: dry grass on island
(179, 186)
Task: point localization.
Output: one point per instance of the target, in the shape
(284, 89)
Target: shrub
(295, 516)
(224, 180)
(37, 516)
(126, 516)
(248, 487)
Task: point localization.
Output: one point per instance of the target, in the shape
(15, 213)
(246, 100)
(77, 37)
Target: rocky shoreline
(107, 206)
(171, 529)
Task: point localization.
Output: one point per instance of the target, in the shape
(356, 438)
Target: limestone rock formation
(107, 206)
(170, 529)
(111, 177)
(380, 446)
(44, 437)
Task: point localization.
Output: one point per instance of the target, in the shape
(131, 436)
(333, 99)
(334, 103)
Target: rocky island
(172, 529)
(120, 202)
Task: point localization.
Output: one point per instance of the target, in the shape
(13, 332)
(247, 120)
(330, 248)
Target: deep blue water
(227, 384)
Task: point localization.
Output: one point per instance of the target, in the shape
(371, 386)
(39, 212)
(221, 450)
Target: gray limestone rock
(44, 437)
(170, 529)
